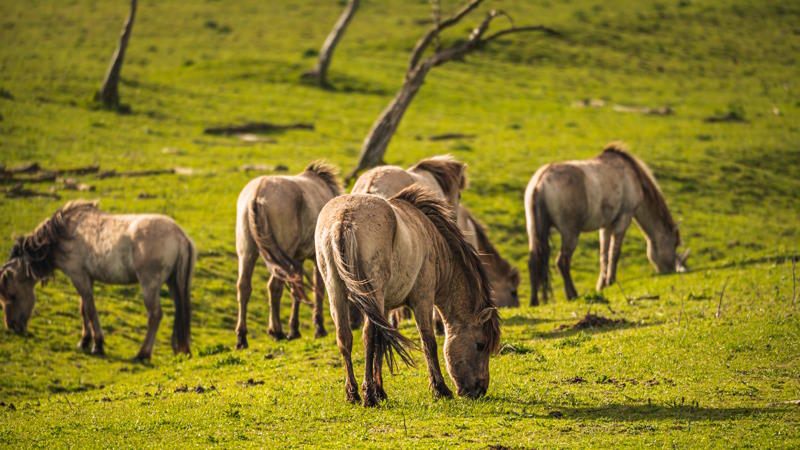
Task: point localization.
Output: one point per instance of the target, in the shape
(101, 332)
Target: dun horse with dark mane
(605, 193)
(275, 217)
(89, 245)
(382, 254)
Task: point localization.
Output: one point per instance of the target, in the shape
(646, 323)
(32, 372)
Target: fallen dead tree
(256, 127)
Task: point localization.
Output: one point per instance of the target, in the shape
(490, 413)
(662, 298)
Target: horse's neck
(649, 221)
(453, 292)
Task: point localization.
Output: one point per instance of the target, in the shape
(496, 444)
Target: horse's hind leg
(294, 319)
(344, 337)
(377, 373)
(569, 241)
(370, 340)
(150, 292)
(319, 296)
(275, 286)
(247, 262)
(605, 239)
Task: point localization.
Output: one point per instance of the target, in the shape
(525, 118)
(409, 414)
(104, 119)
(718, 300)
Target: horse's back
(291, 205)
(116, 248)
(383, 180)
(390, 250)
(584, 195)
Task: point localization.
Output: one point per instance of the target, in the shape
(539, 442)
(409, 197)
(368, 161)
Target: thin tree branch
(424, 41)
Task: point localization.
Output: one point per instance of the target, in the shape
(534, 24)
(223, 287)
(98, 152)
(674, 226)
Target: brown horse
(605, 193)
(275, 217)
(89, 245)
(406, 251)
(446, 177)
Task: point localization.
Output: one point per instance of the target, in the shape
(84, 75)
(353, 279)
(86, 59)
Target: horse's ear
(486, 315)
(16, 250)
(684, 256)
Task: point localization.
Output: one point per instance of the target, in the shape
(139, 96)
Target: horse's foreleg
(89, 319)
(150, 292)
(429, 348)
(275, 287)
(244, 288)
(617, 234)
(569, 241)
(605, 239)
(369, 338)
(319, 296)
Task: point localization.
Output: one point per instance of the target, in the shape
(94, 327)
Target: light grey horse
(605, 193)
(90, 245)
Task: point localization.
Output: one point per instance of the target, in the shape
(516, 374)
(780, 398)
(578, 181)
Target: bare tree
(383, 129)
(320, 72)
(109, 93)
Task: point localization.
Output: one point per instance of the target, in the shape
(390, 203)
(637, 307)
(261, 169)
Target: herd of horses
(400, 239)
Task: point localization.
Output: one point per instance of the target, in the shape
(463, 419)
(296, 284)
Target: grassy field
(674, 375)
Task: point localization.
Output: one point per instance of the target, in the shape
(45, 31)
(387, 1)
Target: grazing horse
(406, 251)
(90, 245)
(605, 193)
(446, 177)
(275, 217)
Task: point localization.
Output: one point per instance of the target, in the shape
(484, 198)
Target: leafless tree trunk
(109, 93)
(320, 72)
(376, 142)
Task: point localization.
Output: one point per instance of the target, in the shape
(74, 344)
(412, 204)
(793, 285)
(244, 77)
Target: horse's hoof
(381, 393)
(83, 344)
(277, 335)
(141, 358)
(442, 392)
(352, 396)
(293, 335)
(97, 349)
(241, 343)
(320, 333)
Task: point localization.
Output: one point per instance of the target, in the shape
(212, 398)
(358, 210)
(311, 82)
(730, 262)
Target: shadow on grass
(632, 413)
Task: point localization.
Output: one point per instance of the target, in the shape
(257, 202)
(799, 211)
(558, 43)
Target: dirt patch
(593, 321)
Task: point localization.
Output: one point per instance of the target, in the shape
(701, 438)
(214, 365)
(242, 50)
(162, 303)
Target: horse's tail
(181, 330)
(361, 293)
(539, 223)
(280, 264)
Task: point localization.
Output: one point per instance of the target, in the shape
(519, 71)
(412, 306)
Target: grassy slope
(675, 376)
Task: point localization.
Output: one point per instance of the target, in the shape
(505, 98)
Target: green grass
(673, 376)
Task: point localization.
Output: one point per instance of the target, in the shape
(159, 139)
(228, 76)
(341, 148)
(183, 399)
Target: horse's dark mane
(650, 188)
(448, 172)
(328, 173)
(486, 245)
(36, 251)
(443, 218)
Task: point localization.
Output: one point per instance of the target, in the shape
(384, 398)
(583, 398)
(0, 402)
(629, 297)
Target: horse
(380, 254)
(90, 245)
(447, 177)
(605, 193)
(275, 218)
